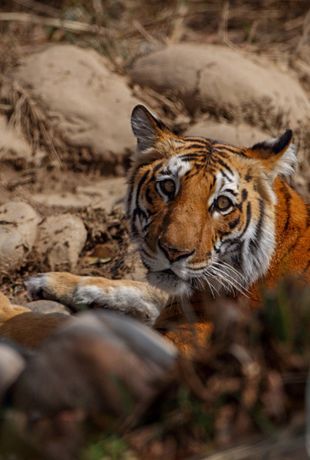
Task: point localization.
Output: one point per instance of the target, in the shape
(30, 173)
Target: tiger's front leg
(135, 298)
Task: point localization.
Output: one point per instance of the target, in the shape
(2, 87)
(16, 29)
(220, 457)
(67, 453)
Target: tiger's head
(202, 212)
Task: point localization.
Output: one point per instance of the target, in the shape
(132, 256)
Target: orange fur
(292, 254)
(8, 310)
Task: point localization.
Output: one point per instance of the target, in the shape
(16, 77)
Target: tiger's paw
(123, 298)
(56, 286)
(35, 286)
(83, 292)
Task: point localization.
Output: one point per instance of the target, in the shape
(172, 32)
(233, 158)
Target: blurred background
(70, 73)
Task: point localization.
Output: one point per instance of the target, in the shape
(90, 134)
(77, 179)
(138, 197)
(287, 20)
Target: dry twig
(72, 26)
(39, 7)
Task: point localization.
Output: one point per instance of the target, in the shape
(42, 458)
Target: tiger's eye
(223, 203)
(167, 187)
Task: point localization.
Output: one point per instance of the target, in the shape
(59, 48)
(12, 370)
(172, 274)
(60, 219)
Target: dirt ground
(70, 73)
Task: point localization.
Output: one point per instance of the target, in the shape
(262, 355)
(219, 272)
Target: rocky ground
(238, 73)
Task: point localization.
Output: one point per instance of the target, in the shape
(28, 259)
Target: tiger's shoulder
(292, 233)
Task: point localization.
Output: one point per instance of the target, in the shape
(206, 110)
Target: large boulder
(239, 135)
(87, 103)
(224, 81)
(103, 194)
(18, 232)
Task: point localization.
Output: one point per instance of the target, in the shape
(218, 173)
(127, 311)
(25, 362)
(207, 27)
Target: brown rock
(104, 194)
(18, 232)
(61, 239)
(47, 306)
(231, 134)
(222, 80)
(11, 366)
(87, 103)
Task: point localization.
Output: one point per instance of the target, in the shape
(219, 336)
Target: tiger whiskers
(223, 280)
(234, 271)
(201, 281)
(205, 276)
(211, 287)
(234, 274)
(228, 281)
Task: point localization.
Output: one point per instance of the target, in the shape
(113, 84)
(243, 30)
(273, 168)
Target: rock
(61, 239)
(18, 232)
(15, 149)
(239, 135)
(224, 81)
(63, 200)
(85, 101)
(47, 306)
(11, 366)
(104, 194)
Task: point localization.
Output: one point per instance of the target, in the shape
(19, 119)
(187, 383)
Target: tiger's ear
(278, 155)
(149, 130)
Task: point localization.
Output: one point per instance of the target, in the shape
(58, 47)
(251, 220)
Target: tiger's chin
(168, 281)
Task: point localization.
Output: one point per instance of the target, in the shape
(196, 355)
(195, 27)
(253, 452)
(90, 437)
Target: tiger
(209, 220)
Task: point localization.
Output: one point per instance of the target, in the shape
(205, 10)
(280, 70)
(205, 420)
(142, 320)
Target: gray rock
(239, 135)
(18, 232)
(47, 306)
(104, 194)
(221, 80)
(84, 100)
(60, 241)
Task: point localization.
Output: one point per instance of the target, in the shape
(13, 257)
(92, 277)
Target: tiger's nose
(174, 254)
